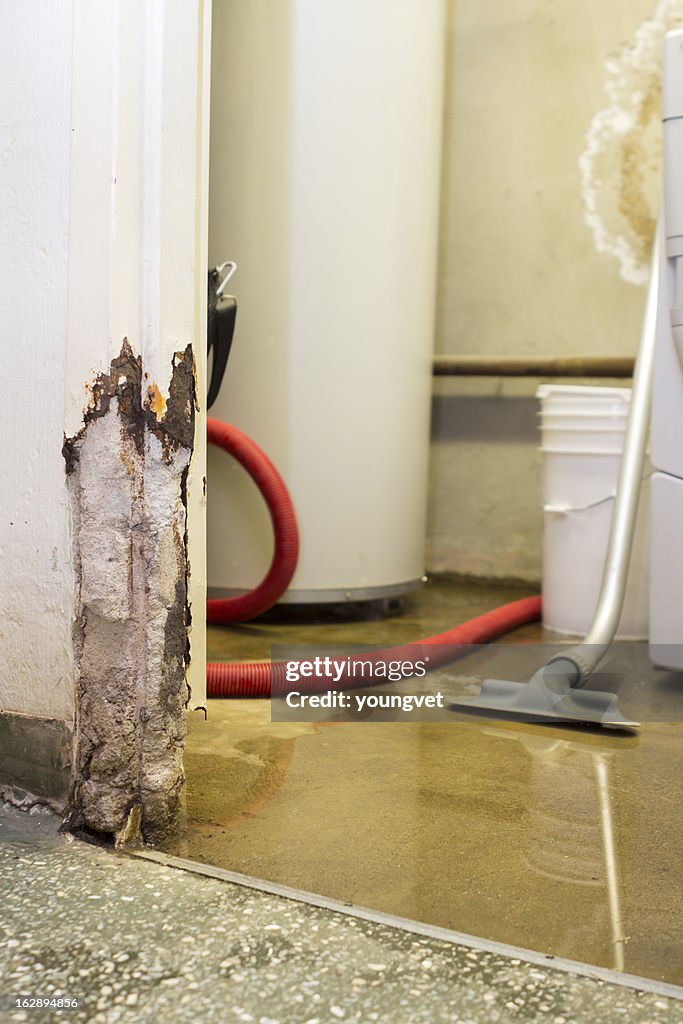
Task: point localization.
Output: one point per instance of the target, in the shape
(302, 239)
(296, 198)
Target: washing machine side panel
(666, 571)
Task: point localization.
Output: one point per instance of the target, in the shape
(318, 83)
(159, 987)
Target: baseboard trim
(35, 760)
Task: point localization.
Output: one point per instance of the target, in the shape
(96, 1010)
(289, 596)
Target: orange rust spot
(94, 392)
(156, 401)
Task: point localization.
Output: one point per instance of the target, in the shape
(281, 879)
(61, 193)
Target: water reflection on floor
(551, 839)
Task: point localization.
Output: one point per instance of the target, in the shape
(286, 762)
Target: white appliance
(325, 177)
(666, 572)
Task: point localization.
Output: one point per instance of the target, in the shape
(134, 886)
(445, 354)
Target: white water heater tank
(325, 172)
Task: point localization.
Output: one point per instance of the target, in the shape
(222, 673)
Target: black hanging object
(220, 329)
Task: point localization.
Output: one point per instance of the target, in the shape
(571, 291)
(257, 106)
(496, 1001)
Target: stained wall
(550, 188)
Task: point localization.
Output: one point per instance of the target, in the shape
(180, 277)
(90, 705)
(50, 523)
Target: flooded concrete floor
(562, 841)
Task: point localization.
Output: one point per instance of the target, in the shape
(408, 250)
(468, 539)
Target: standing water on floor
(562, 841)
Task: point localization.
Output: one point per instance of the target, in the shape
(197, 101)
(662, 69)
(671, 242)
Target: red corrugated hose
(265, 678)
(272, 487)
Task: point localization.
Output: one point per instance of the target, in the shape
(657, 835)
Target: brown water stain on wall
(637, 167)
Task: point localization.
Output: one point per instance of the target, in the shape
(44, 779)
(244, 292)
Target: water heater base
(331, 596)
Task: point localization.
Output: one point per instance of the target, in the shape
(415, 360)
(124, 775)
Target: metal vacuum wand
(580, 661)
(555, 691)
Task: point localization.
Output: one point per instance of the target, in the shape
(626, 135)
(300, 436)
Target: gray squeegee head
(545, 698)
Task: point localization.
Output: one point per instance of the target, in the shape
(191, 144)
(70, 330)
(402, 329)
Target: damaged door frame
(135, 418)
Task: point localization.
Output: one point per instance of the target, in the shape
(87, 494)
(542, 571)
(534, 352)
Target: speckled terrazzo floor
(134, 941)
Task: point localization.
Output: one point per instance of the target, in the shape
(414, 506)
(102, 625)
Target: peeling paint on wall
(620, 166)
(127, 471)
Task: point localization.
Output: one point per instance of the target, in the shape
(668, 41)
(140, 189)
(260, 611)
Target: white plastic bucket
(582, 437)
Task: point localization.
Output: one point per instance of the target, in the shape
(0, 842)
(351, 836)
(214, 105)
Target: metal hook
(232, 267)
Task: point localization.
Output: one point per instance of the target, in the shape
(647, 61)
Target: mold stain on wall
(620, 166)
(127, 471)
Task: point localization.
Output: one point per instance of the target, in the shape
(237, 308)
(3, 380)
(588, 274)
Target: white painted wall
(36, 591)
(103, 184)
